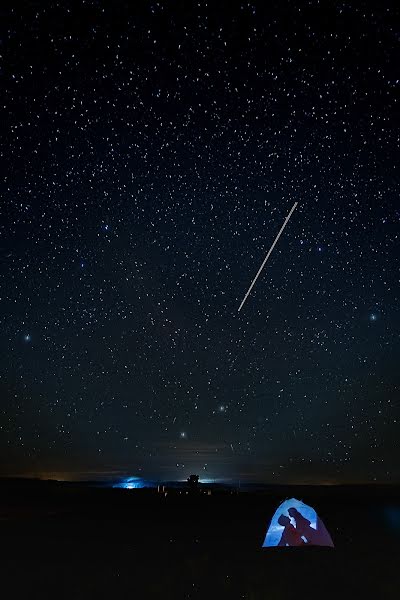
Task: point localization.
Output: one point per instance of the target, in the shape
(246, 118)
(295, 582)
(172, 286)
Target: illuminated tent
(296, 524)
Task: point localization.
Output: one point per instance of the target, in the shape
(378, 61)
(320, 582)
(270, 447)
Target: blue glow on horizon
(131, 483)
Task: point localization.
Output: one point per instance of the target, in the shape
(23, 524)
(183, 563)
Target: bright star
(27, 337)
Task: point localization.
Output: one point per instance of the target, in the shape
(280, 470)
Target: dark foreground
(64, 542)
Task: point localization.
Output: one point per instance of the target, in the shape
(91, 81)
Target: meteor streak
(268, 255)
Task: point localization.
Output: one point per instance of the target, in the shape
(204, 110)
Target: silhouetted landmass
(70, 540)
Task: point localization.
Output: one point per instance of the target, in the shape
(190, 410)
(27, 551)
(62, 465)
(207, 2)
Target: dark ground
(68, 542)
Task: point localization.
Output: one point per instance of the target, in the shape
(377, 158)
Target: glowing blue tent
(296, 524)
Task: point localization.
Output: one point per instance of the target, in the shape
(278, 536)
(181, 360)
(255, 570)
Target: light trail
(268, 255)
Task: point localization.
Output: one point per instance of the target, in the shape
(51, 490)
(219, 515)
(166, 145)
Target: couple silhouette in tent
(298, 535)
(296, 524)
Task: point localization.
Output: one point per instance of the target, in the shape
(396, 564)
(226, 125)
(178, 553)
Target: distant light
(392, 516)
(131, 483)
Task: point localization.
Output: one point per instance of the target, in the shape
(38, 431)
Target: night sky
(150, 153)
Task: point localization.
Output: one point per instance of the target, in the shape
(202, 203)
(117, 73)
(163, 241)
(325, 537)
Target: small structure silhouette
(193, 483)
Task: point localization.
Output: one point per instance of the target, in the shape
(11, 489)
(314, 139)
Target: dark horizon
(138, 483)
(110, 478)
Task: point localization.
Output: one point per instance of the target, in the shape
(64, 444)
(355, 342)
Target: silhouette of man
(303, 526)
(290, 535)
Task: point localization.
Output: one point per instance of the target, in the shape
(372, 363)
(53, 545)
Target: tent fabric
(296, 524)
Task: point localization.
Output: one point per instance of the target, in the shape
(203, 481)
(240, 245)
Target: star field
(151, 152)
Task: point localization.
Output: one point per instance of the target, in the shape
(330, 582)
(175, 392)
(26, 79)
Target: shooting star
(268, 255)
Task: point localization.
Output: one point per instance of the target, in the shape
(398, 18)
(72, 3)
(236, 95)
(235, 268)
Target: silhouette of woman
(290, 535)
